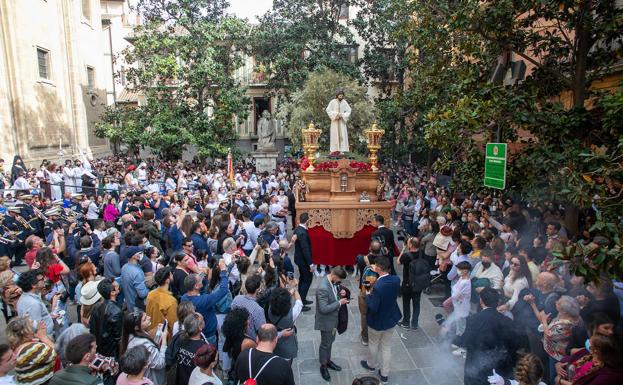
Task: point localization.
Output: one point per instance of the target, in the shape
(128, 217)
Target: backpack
(419, 274)
(252, 379)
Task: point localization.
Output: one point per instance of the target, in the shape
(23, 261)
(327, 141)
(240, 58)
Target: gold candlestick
(311, 134)
(374, 135)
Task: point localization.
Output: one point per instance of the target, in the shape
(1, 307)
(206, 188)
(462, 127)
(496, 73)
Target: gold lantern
(374, 135)
(311, 134)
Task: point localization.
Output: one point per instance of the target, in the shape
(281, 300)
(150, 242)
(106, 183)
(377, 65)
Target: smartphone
(164, 325)
(290, 275)
(96, 363)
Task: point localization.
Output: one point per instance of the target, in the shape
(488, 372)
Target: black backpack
(419, 274)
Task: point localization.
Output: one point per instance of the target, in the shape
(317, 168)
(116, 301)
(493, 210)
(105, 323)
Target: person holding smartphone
(80, 352)
(284, 308)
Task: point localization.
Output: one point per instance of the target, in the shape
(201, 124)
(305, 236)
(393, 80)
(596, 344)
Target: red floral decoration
(325, 166)
(304, 163)
(360, 166)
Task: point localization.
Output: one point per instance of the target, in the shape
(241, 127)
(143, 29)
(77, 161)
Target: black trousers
(411, 297)
(392, 269)
(305, 280)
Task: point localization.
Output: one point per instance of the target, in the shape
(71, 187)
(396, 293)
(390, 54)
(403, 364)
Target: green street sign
(495, 166)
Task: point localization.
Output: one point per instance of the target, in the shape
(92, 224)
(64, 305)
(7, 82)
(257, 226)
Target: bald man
(276, 370)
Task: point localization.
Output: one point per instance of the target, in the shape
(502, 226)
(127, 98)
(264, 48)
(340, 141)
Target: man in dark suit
(303, 259)
(387, 237)
(490, 341)
(383, 316)
(328, 302)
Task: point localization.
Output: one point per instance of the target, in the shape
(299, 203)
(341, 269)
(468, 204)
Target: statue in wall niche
(266, 132)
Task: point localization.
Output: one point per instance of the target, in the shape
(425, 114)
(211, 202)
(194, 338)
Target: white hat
(89, 294)
(53, 211)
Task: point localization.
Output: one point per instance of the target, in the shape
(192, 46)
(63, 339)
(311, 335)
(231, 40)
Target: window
(86, 9)
(90, 77)
(348, 53)
(43, 62)
(343, 11)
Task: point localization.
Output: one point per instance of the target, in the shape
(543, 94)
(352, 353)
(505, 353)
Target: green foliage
(297, 37)
(183, 61)
(447, 50)
(384, 25)
(309, 104)
(121, 126)
(594, 260)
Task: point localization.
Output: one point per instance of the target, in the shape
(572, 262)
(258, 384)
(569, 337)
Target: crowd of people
(183, 273)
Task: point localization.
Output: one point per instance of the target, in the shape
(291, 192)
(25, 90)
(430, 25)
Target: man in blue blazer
(383, 316)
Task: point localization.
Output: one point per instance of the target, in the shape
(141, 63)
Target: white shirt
(170, 184)
(461, 296)
(101, 234)
(197, 377)
(21, 184)
(93, 211)
(512, 289)
(7, 380)
(234, 274)
(252, 233)
(275, 208)
(493, 274)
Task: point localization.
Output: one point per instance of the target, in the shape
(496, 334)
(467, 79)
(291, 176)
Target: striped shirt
(256, 312)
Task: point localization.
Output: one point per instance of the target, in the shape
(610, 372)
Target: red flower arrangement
(325, 166)
(304, 163)
(360, 166)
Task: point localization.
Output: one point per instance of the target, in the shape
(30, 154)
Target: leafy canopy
(310, 103)
(183, 61)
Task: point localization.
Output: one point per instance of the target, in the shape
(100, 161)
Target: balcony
(252, 75)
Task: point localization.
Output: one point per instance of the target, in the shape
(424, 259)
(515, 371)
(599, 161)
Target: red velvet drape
(328, 250)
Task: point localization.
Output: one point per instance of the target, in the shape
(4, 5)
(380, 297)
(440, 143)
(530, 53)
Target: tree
(309, 104)
(297, 37)
(383, 25)
(122, 127)
(562, 154)
(183, 61)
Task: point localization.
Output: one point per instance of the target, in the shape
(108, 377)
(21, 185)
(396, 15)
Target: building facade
(53, 75)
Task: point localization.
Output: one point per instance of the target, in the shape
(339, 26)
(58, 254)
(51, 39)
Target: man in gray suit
(328, 302)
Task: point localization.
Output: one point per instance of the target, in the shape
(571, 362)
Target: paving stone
(436, 376)
(407, 377)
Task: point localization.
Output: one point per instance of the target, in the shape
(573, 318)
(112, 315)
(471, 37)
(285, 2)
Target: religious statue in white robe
(339, 112)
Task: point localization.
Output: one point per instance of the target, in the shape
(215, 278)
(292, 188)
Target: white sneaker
(455, 347)
(363, 342)
(459, 352)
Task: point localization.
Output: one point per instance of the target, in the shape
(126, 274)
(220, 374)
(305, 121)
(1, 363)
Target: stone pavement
(417, 357)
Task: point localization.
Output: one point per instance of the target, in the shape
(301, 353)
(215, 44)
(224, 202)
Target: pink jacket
(110, 213)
